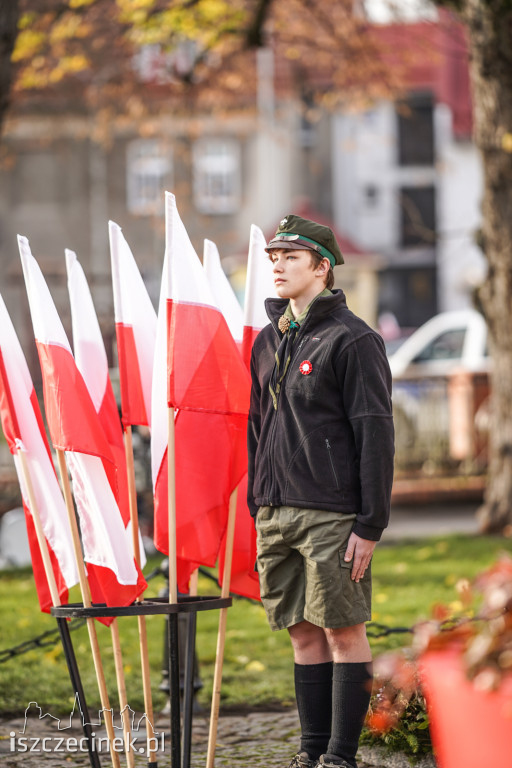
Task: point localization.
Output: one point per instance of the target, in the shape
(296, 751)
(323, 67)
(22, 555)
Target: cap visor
(287, 245)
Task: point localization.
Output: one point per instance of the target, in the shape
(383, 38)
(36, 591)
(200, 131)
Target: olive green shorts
(302, 572)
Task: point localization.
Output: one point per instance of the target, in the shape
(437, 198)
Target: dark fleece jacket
(330, 442)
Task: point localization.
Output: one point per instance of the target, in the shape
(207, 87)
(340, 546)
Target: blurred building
(407, 178)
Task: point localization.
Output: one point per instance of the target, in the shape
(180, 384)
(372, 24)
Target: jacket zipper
(329, 453)
(271, 441)
(272, 436)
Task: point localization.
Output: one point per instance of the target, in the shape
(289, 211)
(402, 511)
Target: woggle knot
(284, 324)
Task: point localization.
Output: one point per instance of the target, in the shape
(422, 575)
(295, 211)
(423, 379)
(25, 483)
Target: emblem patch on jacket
(305, 367)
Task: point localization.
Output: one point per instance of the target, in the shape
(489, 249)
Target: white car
(421, 369)
(448, 341)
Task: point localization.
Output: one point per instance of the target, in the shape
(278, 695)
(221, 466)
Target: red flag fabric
(91, 360)
(74, 426)
(135, 331)
(24, 431)
(209, 385)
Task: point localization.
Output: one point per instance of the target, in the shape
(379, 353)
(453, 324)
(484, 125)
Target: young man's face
(295, 277)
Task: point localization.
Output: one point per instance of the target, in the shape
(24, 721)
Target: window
(371, 195)
(416, 130)
(447, 346)
(410, 293)
(418, 216)
(149, 165)
(217, 175)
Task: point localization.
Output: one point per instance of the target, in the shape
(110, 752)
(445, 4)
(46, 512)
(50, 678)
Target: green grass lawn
(408, 579)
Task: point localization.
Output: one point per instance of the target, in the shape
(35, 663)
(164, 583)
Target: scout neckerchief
(289, 326)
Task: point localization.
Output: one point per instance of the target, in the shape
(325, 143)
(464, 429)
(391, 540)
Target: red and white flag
(24, 431)
(208, 383)
(91, 360)
(74, 426)
(244, 579)
(222, 291)
(135, 331)
(259, 286)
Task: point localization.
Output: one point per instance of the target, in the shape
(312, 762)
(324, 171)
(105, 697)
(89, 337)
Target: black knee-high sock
(313, 691)
(351, 691)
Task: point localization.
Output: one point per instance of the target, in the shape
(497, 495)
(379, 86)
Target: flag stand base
(154, 606)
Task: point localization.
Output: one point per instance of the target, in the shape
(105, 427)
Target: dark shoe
(329, 761)
(302, 760)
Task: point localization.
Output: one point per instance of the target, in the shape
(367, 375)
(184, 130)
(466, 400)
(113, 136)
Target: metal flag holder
(186, 604)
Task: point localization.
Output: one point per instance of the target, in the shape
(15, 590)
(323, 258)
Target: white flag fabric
(259, 286)
(222, 291)
(92, 362)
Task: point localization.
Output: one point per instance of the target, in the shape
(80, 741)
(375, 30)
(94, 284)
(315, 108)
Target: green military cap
(294, 232)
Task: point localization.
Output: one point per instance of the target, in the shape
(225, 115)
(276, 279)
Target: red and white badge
(305, 367)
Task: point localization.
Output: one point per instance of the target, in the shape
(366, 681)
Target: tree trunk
(9, 12)
(490, 31)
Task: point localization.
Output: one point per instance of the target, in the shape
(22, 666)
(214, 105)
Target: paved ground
(255, 740)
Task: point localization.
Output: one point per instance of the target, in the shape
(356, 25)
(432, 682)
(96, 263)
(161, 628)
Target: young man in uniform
(321, 446)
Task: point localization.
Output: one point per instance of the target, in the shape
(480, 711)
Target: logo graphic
(97, 743)
(305, 367)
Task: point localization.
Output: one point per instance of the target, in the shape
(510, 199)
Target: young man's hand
(361, 550)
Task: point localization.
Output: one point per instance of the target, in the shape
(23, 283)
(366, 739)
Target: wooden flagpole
(174, 670)
(86, 599)
(121, 687)
(189, 668)
(143, 637)
(171, 475)
(221, 637)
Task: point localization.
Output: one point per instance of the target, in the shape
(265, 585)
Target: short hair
(316, 258)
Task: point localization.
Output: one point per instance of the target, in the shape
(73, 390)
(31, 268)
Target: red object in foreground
(469, 728)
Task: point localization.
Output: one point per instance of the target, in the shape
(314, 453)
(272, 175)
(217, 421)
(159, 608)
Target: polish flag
(91, 361)
(135, 331)
(208, 383)
(159, 468)
(223, 292)
(114, 577)
(205, 372)
(23, 427)
(244, 579)
(259, 286)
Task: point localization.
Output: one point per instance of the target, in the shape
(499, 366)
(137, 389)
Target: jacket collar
(319, 308)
